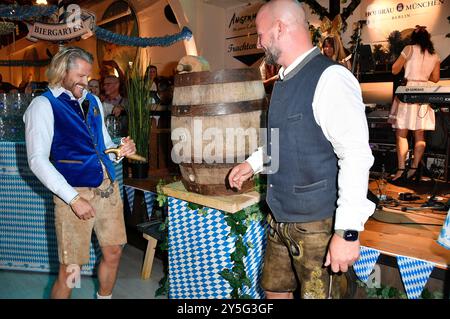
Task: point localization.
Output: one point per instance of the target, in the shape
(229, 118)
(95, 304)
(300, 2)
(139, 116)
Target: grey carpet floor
(129, 285)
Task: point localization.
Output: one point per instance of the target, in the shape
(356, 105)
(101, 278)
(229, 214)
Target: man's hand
(239, 174)
(128, 147)
(341, 253)
(83, 209)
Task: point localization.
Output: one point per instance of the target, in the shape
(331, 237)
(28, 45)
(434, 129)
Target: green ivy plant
(387, 292)
(238, 222)
(161, 198)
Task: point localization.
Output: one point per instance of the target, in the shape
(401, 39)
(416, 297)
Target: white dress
(418, 68)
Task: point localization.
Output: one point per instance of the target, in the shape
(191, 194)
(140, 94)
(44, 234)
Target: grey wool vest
(304, 188)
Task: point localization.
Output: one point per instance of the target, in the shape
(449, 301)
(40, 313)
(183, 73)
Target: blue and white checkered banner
(130, 195)
(364, 265)
(444, 235)
(149, 200)
(27, 232)
(415, 274)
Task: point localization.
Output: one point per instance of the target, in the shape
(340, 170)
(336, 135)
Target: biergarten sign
(79, 24)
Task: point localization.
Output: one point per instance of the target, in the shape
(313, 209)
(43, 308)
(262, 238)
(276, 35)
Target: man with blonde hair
(66, 139)
(318, 196)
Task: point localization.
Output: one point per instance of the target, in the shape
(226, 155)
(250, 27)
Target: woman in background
(421, 65)
(334, 50)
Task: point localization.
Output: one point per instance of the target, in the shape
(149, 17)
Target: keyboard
(424, 94)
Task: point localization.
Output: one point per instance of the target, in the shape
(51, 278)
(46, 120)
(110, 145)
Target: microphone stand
(356, 52)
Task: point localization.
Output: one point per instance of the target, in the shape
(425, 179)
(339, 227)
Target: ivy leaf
(247, 282)
(241, 229)
(193, 206)
(163, 286)
(239, 216)
(239, 268)
(385, 292)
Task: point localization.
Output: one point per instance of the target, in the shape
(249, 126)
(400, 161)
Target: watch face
(351, 235)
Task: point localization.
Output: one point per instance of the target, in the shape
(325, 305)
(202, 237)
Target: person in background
(94, 88)
(421, 65)
(269, 74)
(110, 67)
(112, 86)
(65, 140)
(152, 72)
(318, 194)
(333, 50)
(165, 90)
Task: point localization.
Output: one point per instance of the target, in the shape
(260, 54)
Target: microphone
(362, 21)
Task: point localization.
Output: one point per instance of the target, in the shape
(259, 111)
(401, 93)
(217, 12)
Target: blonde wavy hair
(63, 61)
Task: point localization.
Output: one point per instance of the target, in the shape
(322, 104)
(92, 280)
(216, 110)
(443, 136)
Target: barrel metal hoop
(205, 165)
(217, 189)
(221, 76)
(219, 108)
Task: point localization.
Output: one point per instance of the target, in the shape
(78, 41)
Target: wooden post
(335, 8)
(149, 255)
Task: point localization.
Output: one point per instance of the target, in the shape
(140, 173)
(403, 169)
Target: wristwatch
(348, 234)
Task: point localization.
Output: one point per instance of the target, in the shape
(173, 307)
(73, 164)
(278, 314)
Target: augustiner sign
(79, 24)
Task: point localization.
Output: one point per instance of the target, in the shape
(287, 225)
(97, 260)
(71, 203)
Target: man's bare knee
(279, 295)
(112, 254)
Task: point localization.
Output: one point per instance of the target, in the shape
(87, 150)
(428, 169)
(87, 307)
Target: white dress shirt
(39, 126)
(339, 111)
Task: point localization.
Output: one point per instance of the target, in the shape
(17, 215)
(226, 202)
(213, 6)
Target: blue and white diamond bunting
(130, 195)
(149, 199)
(364, 265)
(415, 274)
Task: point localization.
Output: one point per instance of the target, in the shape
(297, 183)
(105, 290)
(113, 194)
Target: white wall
(434, 17)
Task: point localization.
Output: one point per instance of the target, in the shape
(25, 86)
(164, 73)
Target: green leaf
(193, 206)
(239, 216)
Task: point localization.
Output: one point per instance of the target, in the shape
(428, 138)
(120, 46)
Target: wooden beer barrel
(215, 124)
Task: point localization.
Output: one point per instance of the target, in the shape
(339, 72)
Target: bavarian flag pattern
(415, 274)
(364, 265)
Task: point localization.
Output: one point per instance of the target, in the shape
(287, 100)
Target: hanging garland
(15, 63)
(120, 39)
(319, 10)
(21, 13)
(25, 12)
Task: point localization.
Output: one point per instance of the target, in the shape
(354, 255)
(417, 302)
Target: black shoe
(415, 176)
(399, 180)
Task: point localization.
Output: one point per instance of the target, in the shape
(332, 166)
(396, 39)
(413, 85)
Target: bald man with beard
(318, 195)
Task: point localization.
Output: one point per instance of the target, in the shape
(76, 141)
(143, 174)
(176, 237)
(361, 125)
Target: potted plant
(139, 109)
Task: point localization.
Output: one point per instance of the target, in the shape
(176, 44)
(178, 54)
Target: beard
(272, 55)
(75, 89)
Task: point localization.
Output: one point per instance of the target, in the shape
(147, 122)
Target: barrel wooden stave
(233, 99)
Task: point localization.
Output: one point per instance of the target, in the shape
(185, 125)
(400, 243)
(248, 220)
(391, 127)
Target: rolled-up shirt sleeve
(256, 160)
(38, 137)
(340, 112)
